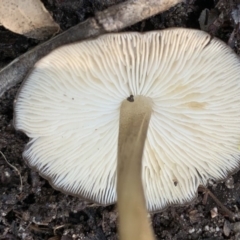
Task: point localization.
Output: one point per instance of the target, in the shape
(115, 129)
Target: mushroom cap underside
(69, 107)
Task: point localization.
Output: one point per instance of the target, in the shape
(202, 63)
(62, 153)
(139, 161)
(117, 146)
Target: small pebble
(4, 214)
(214, 212)
(191, 230)
(226, 228)
(229, 183)
(236, 227)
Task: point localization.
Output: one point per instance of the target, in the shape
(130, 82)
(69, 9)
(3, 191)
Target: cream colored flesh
(133, 215)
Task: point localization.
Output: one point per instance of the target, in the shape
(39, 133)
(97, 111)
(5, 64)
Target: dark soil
(40, 212)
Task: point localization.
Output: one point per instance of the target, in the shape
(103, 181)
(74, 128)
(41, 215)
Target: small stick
(222, 208)
(18, 172)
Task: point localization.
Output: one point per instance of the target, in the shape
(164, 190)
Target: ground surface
(40, 212)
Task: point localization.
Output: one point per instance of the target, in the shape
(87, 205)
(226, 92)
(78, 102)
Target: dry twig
(222, 208)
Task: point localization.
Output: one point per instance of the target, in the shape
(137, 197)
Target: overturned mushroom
(189, 86)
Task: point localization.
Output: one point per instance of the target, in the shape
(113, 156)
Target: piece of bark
(104, 22)
(131, 12)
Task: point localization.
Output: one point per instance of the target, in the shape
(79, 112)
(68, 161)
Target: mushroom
(139, 116)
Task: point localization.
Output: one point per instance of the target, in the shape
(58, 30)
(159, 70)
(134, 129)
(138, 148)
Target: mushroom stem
(133, 214)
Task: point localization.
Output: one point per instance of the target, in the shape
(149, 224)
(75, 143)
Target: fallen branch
(130, 12)
(114, 18)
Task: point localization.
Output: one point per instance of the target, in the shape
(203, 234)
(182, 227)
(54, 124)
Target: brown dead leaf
(27, 17)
